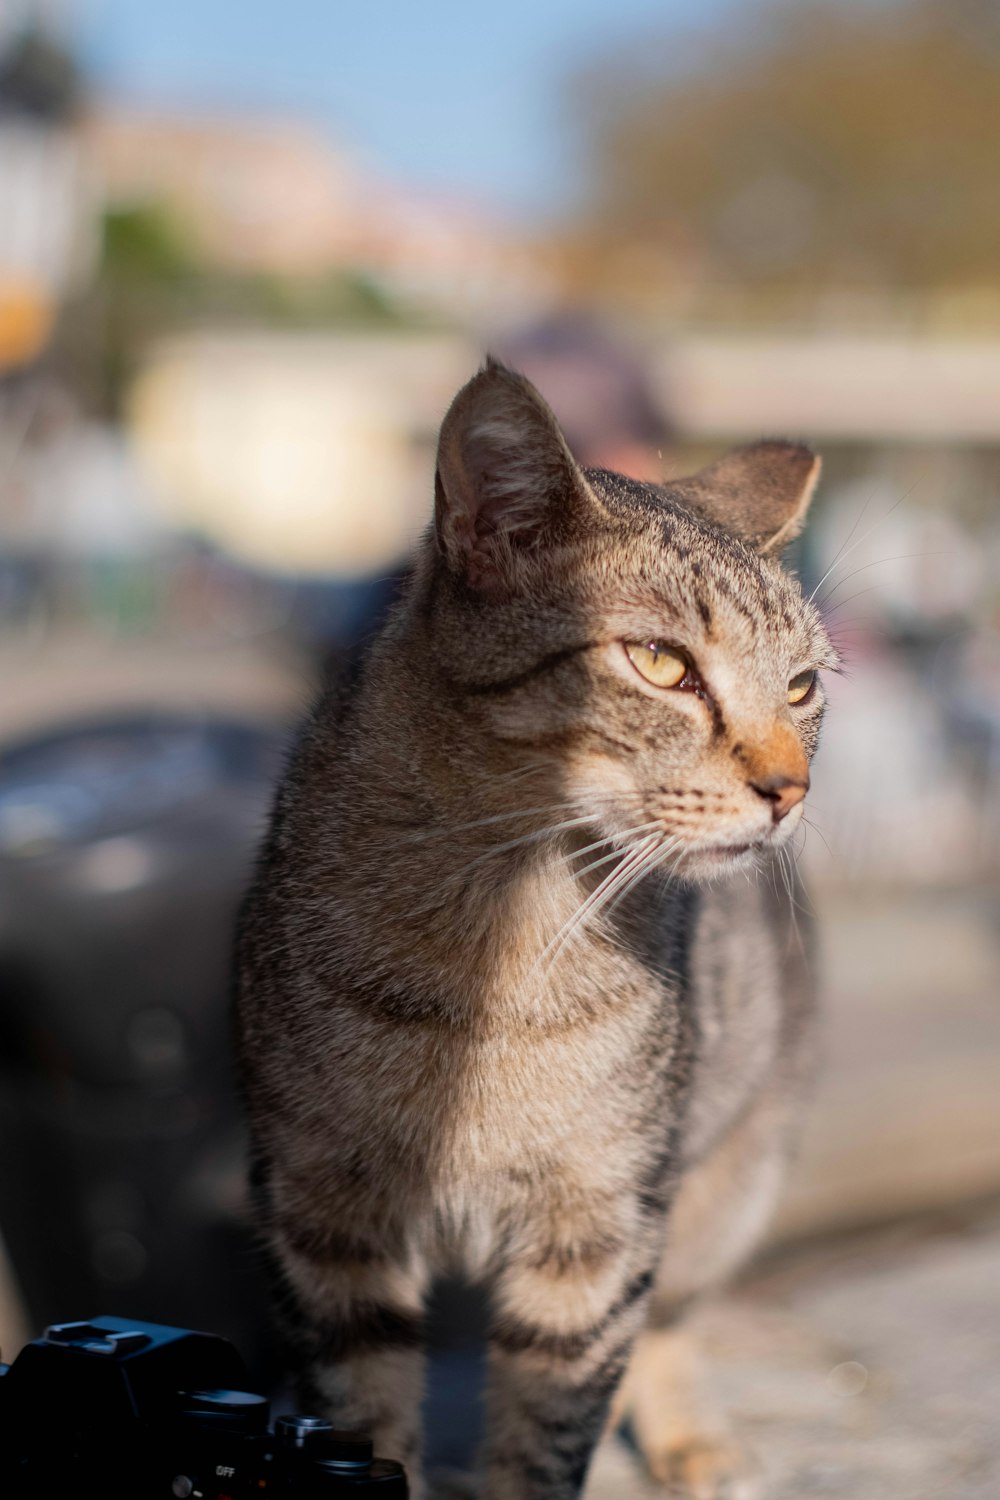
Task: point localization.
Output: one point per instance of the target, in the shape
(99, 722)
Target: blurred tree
(152, 280)
(820, 143)
(142, 242)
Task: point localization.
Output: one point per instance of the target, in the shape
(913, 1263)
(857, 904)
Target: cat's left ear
(761, 493)
(506, 483)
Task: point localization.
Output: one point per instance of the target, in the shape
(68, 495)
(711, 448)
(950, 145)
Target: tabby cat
(507, 1003)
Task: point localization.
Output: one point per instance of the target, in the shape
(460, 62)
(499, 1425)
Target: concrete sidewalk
(867, 1368)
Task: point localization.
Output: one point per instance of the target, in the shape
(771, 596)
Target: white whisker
(536, 836)
(677, 861)
(808, 823)
(615, 853)
(608, 838)
(788, 880)
(597, 898)
(446, 830)
(520, 772)
(877, 563)
(642, 868)
(842, 555)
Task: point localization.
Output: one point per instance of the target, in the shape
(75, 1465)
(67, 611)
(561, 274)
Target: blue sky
(468, 96)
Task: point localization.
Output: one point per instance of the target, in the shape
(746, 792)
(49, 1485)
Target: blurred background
(247, 254)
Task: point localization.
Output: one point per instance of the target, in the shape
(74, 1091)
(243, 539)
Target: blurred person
(599, 390)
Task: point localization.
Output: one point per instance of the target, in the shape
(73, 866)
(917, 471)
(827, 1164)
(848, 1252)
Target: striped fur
(501, 1007)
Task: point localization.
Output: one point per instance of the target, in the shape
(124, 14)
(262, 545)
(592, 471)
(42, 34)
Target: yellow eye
(800, 687)
(659, 664)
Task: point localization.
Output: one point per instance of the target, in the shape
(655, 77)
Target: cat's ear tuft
(506, 482)
(761, 493)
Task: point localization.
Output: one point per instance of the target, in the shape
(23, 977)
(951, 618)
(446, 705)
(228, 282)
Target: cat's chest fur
(492, 1047)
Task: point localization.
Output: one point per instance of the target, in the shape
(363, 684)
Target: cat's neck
(484, 912)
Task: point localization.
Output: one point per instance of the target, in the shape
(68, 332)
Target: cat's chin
(710, 862)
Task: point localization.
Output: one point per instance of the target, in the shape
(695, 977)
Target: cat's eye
(661, 665)
(801, 686)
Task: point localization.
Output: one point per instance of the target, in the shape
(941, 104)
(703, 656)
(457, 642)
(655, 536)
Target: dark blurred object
(38, 77)
(335, 619)
(599, 390)
(124, 848)
(157, 1411)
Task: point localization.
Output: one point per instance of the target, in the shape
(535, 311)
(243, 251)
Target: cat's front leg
(566, 1316)
(353, 1318)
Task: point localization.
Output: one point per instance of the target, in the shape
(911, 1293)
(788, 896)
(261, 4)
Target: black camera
(139, 1411)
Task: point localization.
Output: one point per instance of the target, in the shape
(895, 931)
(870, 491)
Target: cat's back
(281, 913)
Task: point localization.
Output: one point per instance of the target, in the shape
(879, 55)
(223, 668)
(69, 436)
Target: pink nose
(783, 792)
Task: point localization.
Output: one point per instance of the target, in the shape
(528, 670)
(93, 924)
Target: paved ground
(867, 1368)
(907, 1112)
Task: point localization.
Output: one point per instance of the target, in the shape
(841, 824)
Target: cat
(506, 1003)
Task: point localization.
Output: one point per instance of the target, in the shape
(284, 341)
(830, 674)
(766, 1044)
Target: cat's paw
(706, 1468)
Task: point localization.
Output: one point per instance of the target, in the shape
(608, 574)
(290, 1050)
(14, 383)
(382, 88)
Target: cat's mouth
(710, 858)
(765, 842)
(727, 851)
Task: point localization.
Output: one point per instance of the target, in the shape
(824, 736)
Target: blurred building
(280, 197)
(304, 454)
(456, 253)
(253, 194)
(878, 388)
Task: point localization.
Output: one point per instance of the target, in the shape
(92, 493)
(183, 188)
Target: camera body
(140, 1411)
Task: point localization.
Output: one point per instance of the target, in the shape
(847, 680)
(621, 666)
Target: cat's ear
(506, 482)
(761, 492)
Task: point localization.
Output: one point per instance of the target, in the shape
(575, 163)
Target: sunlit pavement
(906, 1114)
(866, 1368)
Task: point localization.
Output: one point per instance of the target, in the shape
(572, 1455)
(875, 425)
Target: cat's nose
(783, 792)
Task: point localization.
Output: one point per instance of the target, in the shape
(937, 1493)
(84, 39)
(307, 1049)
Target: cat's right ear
(760, 493)
(506, 483)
